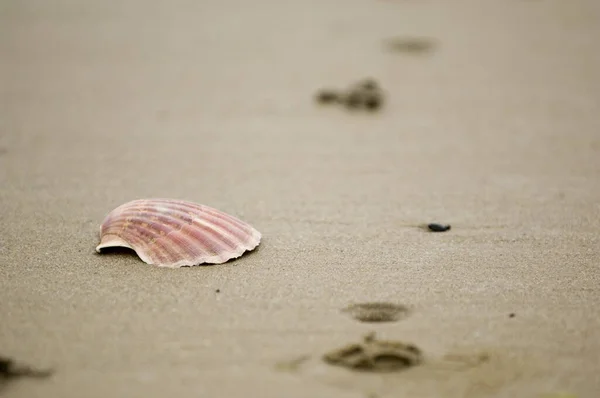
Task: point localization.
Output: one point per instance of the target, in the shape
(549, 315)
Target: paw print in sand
(375, 355)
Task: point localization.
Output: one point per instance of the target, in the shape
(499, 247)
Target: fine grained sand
(495, 131)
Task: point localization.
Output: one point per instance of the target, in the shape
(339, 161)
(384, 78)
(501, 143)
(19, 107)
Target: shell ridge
(176, 233)
(177, 223)
(195, 253)
(228, 231)
(205, 209)
(244, 227)
(196, 259)
(218, 237)
(233, 230)
(174, 251)
(234, 220)
(163, 253)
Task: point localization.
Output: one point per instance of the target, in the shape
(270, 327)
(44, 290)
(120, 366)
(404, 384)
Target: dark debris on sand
(9, 369)
(435, 227)
(411, 45)
(365, 94)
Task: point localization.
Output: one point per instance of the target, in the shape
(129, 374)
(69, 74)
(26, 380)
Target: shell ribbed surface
(177, 233)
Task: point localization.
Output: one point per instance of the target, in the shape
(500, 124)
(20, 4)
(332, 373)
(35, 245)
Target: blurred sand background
(495, 131)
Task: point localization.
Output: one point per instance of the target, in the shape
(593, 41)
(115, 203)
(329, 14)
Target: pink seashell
(175, 233)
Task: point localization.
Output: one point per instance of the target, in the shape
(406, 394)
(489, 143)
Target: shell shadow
(117, 251)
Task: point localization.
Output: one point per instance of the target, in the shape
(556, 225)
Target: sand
(494, 130)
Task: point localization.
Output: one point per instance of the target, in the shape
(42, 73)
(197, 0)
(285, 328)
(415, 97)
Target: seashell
(176, 233)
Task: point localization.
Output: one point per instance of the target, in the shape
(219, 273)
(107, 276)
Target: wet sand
(492, 128)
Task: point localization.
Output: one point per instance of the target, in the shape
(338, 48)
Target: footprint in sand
(377, 312)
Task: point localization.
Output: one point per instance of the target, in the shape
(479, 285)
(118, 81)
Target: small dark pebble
(438, 227)
(512, 315)
(327, 96)
(218, 291)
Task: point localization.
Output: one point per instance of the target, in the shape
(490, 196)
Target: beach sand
(494, 130)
